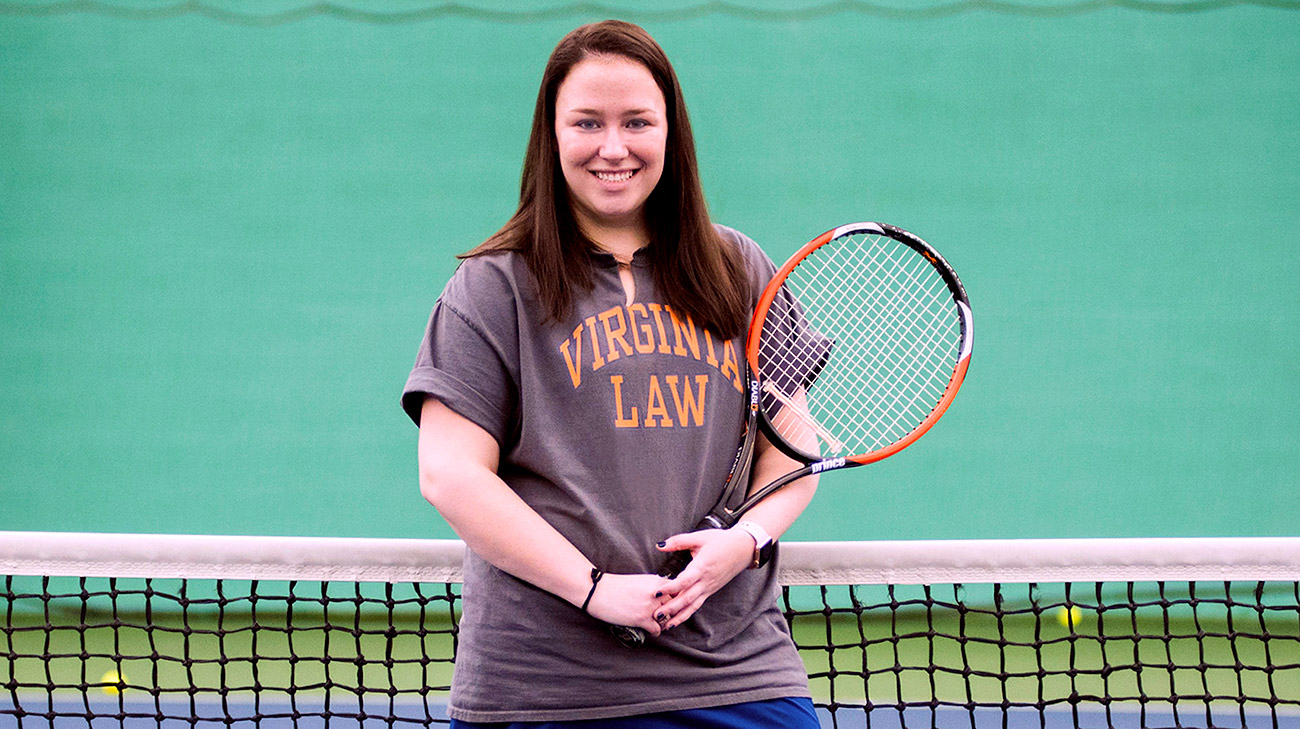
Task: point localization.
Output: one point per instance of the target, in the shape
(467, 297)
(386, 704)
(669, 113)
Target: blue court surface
(68, 711)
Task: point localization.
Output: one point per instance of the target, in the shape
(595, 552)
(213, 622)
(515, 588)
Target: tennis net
(143, 630)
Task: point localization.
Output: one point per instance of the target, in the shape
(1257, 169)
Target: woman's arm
(458, 465)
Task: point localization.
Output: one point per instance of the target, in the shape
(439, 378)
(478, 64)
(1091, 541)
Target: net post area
(145, 630)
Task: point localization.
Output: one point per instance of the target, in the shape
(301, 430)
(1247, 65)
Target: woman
(578, 392)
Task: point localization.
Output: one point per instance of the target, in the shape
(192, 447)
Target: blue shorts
(770, 714)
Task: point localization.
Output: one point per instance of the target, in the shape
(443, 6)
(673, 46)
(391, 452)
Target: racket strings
(892, 340)
(907, 339)
(863, 349)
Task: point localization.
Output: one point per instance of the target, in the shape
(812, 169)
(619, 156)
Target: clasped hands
(656, 604)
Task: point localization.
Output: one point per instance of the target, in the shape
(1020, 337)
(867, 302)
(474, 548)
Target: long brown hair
(699, 274)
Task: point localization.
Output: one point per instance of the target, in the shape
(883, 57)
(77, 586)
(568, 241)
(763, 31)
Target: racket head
(859, 344)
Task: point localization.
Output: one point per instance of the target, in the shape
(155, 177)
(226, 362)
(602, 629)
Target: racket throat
(827, 465)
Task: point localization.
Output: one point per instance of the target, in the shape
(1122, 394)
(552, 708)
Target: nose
(612, 145)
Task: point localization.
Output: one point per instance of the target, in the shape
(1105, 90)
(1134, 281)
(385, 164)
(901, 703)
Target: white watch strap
(762, 540)
(760, 535)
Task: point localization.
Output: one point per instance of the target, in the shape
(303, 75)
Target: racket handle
(675, 563)
(673, 566)
(628, 636)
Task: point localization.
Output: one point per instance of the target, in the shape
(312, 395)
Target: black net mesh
(221, 651)
(1082, 655)
(101, 651)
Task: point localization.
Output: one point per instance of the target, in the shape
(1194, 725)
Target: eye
(638, 124)
(587, 124)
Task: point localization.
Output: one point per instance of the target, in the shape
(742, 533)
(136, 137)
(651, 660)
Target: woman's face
(611, 126)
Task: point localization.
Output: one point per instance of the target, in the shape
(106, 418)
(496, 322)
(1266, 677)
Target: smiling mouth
(620, 176)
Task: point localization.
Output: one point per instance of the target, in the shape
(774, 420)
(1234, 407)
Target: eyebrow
(629, 112)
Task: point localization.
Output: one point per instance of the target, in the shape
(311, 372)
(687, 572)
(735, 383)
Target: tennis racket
(857, 347)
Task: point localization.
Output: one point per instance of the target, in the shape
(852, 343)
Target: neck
(621, 251)
(621, 241)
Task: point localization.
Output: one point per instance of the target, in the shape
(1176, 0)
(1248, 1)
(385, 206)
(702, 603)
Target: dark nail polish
(659, 594)
(661, 545)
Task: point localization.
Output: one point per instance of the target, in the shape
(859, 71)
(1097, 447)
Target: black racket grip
(673, 566)
(675, 563)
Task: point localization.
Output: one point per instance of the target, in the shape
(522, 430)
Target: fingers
(686, 614)
(688, 542)
(679, 609)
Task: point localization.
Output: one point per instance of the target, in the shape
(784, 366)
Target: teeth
(615, 176)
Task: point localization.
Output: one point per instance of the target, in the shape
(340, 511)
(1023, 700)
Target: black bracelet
(596, 574)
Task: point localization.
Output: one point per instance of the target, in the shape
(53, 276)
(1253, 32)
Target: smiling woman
(579, 401)
(610, 128)
(696, 270)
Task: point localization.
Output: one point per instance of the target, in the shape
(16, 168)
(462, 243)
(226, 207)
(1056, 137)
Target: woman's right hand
(628, 600)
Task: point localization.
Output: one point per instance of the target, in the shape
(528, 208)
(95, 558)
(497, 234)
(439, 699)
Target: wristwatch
(764, 545)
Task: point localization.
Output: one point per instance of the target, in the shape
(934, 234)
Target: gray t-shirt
(618, 427)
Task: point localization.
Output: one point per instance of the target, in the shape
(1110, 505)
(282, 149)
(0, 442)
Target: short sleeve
(794, 352)
(469, 356)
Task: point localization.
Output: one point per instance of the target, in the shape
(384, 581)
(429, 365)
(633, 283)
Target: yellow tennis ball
(113, 682)
(1071, 617)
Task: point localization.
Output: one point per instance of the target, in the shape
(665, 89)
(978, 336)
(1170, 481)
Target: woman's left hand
(717, 555)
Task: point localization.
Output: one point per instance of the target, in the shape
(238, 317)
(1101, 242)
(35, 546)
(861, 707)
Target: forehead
(601, 82)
